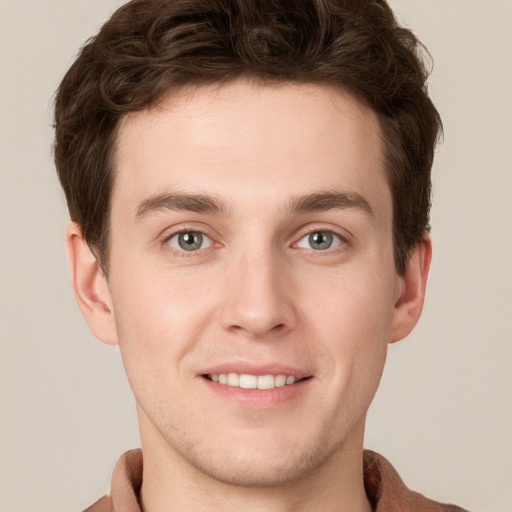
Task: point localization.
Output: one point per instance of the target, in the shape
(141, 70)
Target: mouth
(249, 381)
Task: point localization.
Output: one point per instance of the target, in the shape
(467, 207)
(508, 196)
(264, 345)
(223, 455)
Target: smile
(247, 381)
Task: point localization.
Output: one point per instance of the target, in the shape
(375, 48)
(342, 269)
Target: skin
(257, 296)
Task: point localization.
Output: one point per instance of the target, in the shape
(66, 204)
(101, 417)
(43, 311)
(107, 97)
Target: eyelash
(183, 253)
(341, 246)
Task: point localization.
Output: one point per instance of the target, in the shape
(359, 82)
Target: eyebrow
(324, 201)
(203, 203)
(199, 203)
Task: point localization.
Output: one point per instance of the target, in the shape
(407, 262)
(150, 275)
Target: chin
(258, 466)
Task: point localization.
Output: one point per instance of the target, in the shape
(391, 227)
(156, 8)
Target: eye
(320, 240)
(189, 241)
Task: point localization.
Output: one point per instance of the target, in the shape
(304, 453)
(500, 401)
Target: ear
(90, 286)
(413, 282)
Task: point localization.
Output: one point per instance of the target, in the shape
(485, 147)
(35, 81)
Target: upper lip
(251, 369)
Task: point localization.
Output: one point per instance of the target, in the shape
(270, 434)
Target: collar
(384, 487)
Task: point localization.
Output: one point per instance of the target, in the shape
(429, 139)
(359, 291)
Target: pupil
(320, 240)
(190, 241)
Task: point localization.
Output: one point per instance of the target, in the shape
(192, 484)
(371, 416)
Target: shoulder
(102, 505)
(388, 493)
(125, 485)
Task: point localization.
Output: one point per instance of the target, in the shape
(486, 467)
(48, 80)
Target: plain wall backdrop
(443, 413)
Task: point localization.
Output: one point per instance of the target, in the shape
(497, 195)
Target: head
(152, 47)
(250, 186)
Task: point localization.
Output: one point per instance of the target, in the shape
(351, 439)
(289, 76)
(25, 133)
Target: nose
(258, 297)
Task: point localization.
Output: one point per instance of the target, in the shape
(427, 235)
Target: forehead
(243, 138)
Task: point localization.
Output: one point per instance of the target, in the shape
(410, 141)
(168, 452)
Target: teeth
(247, 381)
(233, 379)
(266, 382)
(280, 381)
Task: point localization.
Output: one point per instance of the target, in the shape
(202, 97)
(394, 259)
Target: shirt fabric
(384, 487)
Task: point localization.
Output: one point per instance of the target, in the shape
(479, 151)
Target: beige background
(443, 414)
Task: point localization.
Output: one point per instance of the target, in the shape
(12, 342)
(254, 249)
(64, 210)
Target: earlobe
(90, 286)
(409, 305)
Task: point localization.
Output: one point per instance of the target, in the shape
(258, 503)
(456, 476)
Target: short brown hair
(149, 47)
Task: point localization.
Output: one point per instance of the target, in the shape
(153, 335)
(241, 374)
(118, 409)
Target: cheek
(159, 316)
(162, 299)
(352, 303)
(352, 314)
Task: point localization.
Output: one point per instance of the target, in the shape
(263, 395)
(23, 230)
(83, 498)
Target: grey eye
(189, 241)
(320, 240)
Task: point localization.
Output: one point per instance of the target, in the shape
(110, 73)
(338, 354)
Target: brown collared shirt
(384, 487)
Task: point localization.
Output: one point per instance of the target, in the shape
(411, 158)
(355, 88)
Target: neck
(170, 482)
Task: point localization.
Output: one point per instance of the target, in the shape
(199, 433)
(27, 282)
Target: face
(251, 277)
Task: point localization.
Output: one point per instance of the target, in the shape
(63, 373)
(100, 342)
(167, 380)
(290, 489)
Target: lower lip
(259, 398)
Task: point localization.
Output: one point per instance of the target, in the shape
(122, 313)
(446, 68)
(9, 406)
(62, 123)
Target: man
(249, 190)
